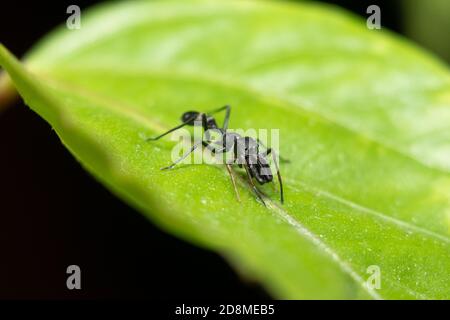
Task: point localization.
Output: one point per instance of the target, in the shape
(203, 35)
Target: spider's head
(190, 116)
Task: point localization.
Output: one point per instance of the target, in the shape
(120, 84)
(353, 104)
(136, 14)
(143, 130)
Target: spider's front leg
(255, 189)
(221, 147)
(182, 157)
(280, 181)
(230, 172)
(267, 151)
(227, 109)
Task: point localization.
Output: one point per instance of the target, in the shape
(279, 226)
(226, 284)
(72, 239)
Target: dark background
(53, 214)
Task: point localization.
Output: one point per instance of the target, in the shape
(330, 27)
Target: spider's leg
(265, 147)
(172, 130)
(209, 145)
(255, 189)
(230, 172)
(280, 181)
(230, 169)
(182, 157)
(227, 109)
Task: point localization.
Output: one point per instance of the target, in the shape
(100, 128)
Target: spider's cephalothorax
(246, 150)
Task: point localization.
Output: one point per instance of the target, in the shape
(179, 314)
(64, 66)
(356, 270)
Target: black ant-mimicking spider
(245, 149)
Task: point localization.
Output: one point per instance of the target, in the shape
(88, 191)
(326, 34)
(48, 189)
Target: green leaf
(364, 118)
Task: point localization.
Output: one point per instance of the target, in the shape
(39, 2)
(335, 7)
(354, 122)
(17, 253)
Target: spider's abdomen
(190, 116)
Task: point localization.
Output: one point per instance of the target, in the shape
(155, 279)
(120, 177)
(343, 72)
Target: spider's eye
(189, 115)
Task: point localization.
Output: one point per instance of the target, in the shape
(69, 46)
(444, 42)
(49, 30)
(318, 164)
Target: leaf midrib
(363, 209)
